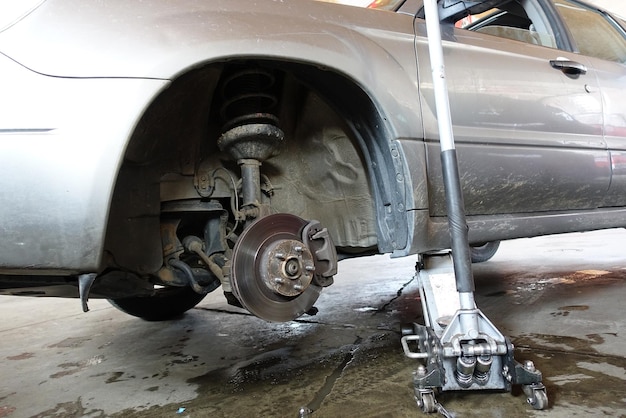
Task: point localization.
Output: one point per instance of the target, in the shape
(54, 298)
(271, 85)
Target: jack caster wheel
(536, 396)
(426, 402)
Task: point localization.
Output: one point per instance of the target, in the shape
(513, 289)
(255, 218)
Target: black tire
(483, 252)
(166, 303)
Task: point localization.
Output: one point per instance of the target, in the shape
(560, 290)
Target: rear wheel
(483, 252)
(166, 303)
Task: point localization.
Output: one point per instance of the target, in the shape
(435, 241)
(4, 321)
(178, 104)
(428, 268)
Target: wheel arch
(370, 124)
(178, 112)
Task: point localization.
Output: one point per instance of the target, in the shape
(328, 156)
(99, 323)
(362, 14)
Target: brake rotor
(272, 269)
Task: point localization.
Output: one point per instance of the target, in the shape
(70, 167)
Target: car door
(602, 39)
(527, 117)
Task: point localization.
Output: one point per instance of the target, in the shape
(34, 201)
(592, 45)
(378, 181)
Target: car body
(151, 152)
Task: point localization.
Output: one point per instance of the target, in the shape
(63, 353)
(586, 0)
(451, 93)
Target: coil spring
(249, 96)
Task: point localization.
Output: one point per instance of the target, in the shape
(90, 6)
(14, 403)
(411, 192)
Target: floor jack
(459, 347)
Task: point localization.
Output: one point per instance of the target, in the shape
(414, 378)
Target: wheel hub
(287, 267)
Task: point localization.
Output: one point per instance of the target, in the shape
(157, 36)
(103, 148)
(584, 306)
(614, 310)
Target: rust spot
(5, 411)
(115, 377)
(71, 368)
(70, 342)
(75, 367)
(64, 373)
(593, 272)
(574, 308)
(22, 356)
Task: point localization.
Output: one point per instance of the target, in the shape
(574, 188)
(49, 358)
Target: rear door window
(517, 20)
(595, 33)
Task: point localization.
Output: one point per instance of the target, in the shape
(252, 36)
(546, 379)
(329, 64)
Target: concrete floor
(560, 299)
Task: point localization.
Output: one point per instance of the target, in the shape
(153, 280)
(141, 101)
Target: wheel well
(337, 165)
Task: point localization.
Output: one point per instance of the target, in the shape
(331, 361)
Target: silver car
(152, 152)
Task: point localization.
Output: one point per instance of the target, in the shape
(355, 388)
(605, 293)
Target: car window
(519, 20)
(385, 4)
(370, 4)
(593, 33)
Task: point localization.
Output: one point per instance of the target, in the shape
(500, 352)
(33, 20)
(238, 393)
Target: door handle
(570, 68)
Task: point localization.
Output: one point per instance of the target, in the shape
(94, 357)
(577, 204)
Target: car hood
(158, 38)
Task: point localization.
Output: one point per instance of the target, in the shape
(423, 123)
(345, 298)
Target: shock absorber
(250, 133)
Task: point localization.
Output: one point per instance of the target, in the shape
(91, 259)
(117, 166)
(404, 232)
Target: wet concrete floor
(560, 299)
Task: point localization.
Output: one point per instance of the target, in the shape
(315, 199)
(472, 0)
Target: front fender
(61, 144)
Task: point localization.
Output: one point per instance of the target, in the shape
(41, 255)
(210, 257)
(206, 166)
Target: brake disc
(272, 269)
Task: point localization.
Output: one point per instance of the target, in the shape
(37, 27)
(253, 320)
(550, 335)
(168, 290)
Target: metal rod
(454, 197)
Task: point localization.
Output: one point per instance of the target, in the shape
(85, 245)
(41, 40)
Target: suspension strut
(250, 133)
